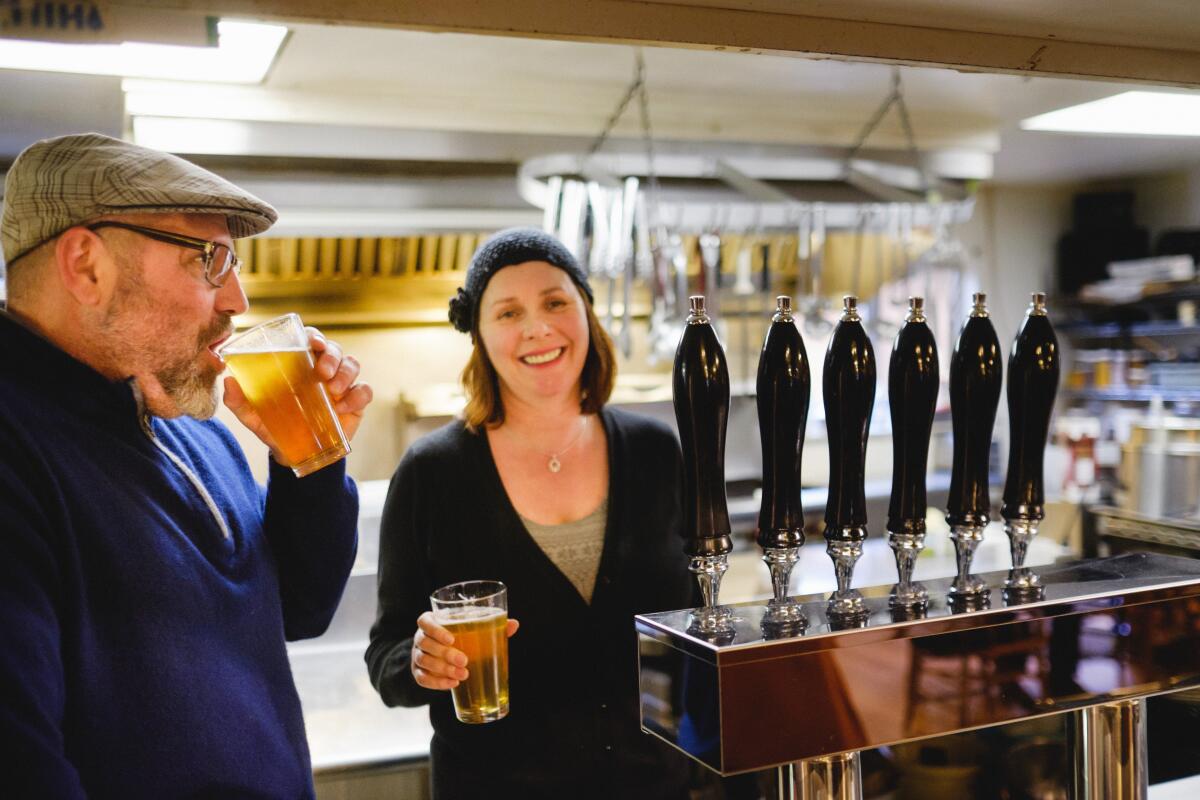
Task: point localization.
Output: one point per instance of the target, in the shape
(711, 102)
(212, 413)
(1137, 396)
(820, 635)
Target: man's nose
(231, 298)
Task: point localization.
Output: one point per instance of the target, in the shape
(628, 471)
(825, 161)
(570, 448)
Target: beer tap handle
(701, 396)
(975, 379)
(1033, 369)
(848, 387)
(783, 394)
(849, 393)
(912, 396)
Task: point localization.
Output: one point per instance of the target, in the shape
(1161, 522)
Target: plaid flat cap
(57, 183)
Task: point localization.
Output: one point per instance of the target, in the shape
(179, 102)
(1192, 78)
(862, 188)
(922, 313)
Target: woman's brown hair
(482, 384)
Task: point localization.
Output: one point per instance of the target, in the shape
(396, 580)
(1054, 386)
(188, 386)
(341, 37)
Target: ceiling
(389, 94)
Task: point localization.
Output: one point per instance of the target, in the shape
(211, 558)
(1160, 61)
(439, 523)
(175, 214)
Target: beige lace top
(574, 547)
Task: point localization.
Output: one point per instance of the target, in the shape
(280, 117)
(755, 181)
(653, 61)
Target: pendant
(554, 465)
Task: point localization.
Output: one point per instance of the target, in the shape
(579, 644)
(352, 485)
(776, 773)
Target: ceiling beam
(750, 30)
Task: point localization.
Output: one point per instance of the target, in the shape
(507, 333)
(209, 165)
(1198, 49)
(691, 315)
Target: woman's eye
(556, 302)
(507, 314)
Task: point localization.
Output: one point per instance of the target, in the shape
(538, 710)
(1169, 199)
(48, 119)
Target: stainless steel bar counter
(1103, 631)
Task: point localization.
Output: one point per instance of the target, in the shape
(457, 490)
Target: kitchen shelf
(1122, 330)
(1141, 394)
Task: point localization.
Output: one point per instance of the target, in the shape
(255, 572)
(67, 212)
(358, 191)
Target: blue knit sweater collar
(64, 379)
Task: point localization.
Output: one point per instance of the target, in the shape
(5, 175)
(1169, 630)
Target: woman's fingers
(435, 664)
(512, 627)
(430, 628)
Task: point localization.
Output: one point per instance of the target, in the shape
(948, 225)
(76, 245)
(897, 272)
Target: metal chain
(652, 215)
(894, 97)
(633, 89)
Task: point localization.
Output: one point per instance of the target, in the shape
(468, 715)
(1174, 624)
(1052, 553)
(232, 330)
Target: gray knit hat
(58, 183)
(506, 248)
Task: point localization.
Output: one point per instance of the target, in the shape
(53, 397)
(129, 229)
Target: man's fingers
(355, 400)
(234, 397)
(343, 379)
(328, 354)
(512, 627)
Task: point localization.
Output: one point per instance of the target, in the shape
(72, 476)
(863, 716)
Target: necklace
(554, 465)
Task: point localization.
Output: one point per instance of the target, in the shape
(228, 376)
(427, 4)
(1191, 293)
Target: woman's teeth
(543, 357)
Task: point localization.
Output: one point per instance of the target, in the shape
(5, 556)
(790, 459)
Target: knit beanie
(506, 248)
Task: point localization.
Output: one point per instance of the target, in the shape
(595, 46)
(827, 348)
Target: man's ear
(84, 266)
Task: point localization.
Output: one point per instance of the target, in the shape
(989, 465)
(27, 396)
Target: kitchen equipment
(1160, 468)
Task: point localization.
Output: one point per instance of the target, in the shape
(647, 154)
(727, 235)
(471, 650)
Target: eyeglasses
(219, 259)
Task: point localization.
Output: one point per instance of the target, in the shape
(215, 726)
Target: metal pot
(1160, 469)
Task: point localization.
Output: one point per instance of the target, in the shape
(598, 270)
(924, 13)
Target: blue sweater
(147, 586)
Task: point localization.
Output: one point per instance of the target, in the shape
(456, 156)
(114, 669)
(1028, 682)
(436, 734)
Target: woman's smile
(542, 358)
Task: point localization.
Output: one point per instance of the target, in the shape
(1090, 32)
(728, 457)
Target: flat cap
(57, 183)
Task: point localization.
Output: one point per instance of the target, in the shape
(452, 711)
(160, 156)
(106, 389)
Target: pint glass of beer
(476, 612)
(274, 367)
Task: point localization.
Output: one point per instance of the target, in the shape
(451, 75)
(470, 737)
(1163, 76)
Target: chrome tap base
(1020, 534)
(784, 616)
(845, 603)
(906, 593)
(779, 561)
(1023, 586)
(710, 618)
(966, 538)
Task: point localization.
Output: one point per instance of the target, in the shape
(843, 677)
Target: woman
(574, 506)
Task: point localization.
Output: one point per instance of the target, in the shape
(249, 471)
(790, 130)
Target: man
(147, 583)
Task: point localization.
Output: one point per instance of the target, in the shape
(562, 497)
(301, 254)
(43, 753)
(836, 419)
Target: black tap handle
(849, 394)
(975, 378)
(783, 392)
(912, 394)
(701, 395)
(1032, 383)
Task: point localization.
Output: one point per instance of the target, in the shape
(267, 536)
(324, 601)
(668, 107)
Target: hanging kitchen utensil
(554, 185)
(814, 317)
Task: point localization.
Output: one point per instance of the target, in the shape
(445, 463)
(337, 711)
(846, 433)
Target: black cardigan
(573, 727)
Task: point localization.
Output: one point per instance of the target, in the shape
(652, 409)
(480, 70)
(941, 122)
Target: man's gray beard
(194, 394)
(192, 390)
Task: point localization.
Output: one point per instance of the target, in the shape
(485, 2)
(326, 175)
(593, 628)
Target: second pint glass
(476, 612)
(274, 366)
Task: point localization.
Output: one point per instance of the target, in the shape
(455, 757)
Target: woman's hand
(435, 662)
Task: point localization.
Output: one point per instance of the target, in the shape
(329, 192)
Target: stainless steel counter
(1105, 630)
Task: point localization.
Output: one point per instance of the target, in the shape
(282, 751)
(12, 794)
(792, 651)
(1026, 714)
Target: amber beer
(483, 696)
(476, 613)
(274, 367)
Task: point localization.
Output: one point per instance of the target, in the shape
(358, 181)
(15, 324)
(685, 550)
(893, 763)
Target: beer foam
(464, 614)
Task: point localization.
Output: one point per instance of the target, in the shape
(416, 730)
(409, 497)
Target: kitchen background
(391, 153)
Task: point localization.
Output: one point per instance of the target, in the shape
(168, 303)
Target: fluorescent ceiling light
(243, 54)
(207, 136)
(1128, 113)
